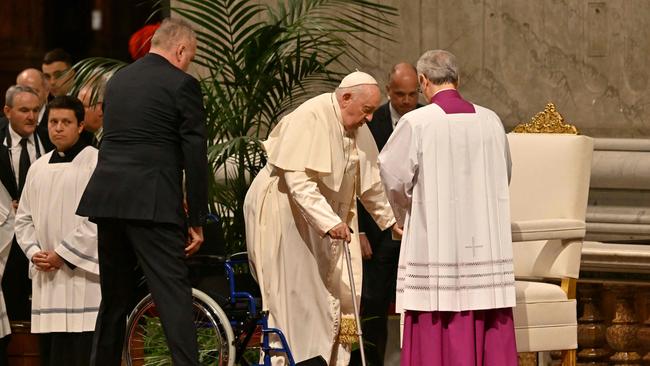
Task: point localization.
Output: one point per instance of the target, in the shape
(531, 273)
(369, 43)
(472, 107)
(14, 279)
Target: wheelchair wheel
(146, 345)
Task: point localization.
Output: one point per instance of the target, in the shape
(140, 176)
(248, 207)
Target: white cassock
(64, 300)
(315, 173)
(7, 217)
(446, 178)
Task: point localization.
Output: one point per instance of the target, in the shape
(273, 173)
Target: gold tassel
(348, 331)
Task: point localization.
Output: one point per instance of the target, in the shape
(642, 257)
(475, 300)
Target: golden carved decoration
(348, 331)
(549, 121)
(621, 334)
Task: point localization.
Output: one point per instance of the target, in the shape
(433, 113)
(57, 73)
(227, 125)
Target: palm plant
(260, 62)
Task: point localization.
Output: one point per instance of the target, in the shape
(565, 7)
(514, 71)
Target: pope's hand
(366, 249)
(340, 232)
(397, 231)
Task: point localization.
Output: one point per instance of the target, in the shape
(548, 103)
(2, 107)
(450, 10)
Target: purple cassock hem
(451, 102)
(466, 338)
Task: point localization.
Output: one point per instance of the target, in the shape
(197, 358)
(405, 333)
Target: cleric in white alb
(445, 169)
(61, 246)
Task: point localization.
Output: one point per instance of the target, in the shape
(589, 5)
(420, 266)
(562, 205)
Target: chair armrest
(547, 229)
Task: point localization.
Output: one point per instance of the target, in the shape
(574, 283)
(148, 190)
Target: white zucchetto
(357, 78)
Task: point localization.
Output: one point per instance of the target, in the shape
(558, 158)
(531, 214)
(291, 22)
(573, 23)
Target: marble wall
(588, 57)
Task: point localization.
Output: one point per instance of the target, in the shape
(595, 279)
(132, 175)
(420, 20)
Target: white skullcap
(357, 78)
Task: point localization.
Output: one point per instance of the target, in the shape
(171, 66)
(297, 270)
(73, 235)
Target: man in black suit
(380, 252)
(22, 105)
(21, 144)
(92, 97)
(154, 129)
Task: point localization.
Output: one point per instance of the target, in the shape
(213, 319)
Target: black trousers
(4, 343)
(379, 281)
(159, 249)
(16, 285)
(69, 349)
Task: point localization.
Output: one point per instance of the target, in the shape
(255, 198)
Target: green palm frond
(94, 72)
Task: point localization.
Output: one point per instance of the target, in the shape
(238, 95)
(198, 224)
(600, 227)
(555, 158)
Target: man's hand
(341, 232)
(194, 240)
(14, 204)
(366, 249)
(54, 260)
(397, 231)
(40, 261)
(47, 261)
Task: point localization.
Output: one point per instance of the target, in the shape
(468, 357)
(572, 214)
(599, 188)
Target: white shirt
(394, 116)
(15, 150)
(41, 113)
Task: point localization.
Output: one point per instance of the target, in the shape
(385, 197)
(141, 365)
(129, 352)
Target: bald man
(380, 252)
(35, 79)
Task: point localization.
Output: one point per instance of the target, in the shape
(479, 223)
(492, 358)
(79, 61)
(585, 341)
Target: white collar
(15, 137)
(394, 116)
(41, 113)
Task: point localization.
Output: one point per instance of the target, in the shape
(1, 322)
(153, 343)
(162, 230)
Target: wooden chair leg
(569, 357)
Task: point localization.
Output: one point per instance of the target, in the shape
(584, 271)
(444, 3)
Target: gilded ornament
(348, 331)
(548, 121)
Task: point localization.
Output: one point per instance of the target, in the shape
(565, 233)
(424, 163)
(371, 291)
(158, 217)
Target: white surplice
(7, 216)
(315, 173)
(446, 178)
(64, 300)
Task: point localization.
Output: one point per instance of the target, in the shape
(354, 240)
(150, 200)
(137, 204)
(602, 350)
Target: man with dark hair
(61, 246)
(57, 70)
(154, 130)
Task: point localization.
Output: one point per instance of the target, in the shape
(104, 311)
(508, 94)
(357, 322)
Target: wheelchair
(231, 329)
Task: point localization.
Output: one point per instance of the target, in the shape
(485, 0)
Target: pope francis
(321, 158)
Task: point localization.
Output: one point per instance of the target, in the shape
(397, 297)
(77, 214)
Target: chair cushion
(533, 292)
(545, 319)
(547, 229)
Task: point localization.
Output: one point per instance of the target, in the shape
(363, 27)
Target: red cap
(140, 41)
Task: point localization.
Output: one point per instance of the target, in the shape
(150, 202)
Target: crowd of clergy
(420, 193)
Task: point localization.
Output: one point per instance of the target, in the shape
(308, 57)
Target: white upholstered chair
(548, 199)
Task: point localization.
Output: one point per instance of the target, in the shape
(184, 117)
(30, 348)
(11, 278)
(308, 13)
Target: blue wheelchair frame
(256, 318)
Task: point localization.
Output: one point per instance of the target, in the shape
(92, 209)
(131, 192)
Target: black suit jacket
(42, 130)
(6, 172)
(381, 128)
(154, 128)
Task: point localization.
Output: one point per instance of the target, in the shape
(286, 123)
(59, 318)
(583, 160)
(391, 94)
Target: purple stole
(451, 102)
